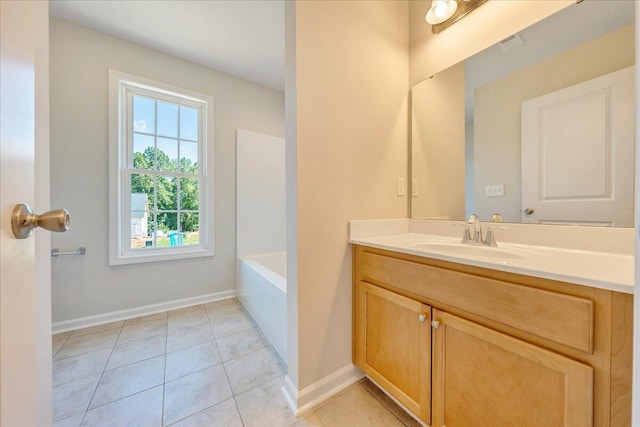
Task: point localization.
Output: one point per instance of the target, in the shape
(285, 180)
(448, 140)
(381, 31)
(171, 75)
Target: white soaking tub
(262, 290)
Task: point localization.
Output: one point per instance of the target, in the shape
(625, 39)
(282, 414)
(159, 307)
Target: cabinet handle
(422, 317)
(435, 324)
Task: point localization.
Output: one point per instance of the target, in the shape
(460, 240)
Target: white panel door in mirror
(578, 144)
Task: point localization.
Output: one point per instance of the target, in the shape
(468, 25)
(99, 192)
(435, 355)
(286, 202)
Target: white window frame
(121, 88)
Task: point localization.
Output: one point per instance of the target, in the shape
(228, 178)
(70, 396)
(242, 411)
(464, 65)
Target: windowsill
(160, 256)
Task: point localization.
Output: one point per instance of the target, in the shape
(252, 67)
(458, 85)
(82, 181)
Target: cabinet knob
(435, 324)
(422, 317)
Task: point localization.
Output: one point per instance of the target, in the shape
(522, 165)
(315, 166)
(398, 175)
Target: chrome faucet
(477, 228)
(475, 238)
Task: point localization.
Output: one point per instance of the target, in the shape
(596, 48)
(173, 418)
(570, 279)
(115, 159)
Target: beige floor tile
(389, 403)
(137, 350)
(183, 310)
(223, 414)
(230, 323)
(62, 336)
(87, 343)
(240, 343)
(214, 305)
(143, 409)
(199, 389)
(143, 330)
(127, 380)
(79, 366)
(70, 422)
(73, 398)
(220, 311)
(253, 369)
(356, 407)
(186, 337)
(147, 318)
(191, 359)
(98, 328)
(311, 420)
(265, 406)
(193, 393)
(58, 340)
(184, 319)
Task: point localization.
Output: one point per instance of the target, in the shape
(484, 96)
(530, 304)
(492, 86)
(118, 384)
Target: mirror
(541, 122)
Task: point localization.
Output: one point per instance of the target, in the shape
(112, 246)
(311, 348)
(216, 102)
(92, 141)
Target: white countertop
(605, 270)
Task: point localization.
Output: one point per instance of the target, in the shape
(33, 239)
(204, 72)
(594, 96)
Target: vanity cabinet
(486, 378)
(395, 340)
(460, 345)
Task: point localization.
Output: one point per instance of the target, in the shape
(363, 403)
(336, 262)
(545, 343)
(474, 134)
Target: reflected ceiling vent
(511, 43)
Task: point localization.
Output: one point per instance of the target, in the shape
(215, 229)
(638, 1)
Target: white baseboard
(311, 396)
(99, 319)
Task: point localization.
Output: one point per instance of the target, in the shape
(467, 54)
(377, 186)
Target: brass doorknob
(23, 221)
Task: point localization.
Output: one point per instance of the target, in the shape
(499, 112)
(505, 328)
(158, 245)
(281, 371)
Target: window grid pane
(164, 141)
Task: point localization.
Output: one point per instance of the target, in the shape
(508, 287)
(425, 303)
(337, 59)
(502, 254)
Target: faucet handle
(496, 217)
(477, 228)
(490, 240)
(466, 237)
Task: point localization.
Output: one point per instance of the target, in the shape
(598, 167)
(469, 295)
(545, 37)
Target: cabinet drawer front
(558, 317)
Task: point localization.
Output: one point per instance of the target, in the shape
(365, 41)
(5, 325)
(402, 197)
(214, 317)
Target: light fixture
(440, 11)
(444, 13)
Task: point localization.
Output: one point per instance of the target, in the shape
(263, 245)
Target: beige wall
(291, 182)
(636, 297)
(491, 22)
(438, 145)
(498, 119)
(350, 134)
(84, 286)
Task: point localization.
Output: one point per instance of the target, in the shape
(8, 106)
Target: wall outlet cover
(494, 190)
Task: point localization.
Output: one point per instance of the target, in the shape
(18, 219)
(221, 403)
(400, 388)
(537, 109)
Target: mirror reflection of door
(578, 153)
(470, 162)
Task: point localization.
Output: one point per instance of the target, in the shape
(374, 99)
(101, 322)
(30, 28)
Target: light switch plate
(401, 187)
(414, 187)
(494, 190)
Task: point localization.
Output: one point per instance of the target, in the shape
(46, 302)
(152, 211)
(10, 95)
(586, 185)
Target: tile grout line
(93, 395)
(164, 371)
(226, 374)
(199, 412)
(320, 418)
(65, 341)
(252, 327)
(387, 403)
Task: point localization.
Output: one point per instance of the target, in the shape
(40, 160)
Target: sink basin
(466, 250)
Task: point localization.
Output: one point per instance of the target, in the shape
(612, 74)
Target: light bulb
(440, 11)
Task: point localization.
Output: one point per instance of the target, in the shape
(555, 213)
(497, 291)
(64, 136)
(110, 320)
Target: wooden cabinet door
(393, 345)
(485, 378)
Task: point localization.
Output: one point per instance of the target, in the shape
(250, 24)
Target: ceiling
(244, 38)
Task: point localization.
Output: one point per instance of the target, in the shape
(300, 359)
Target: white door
(578, 153)
(25, 284)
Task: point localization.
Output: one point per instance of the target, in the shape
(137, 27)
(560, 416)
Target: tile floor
(206, 365)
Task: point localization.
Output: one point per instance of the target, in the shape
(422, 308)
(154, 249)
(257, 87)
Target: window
(160, 205)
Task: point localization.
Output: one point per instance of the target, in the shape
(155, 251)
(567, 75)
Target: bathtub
(262, 290)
